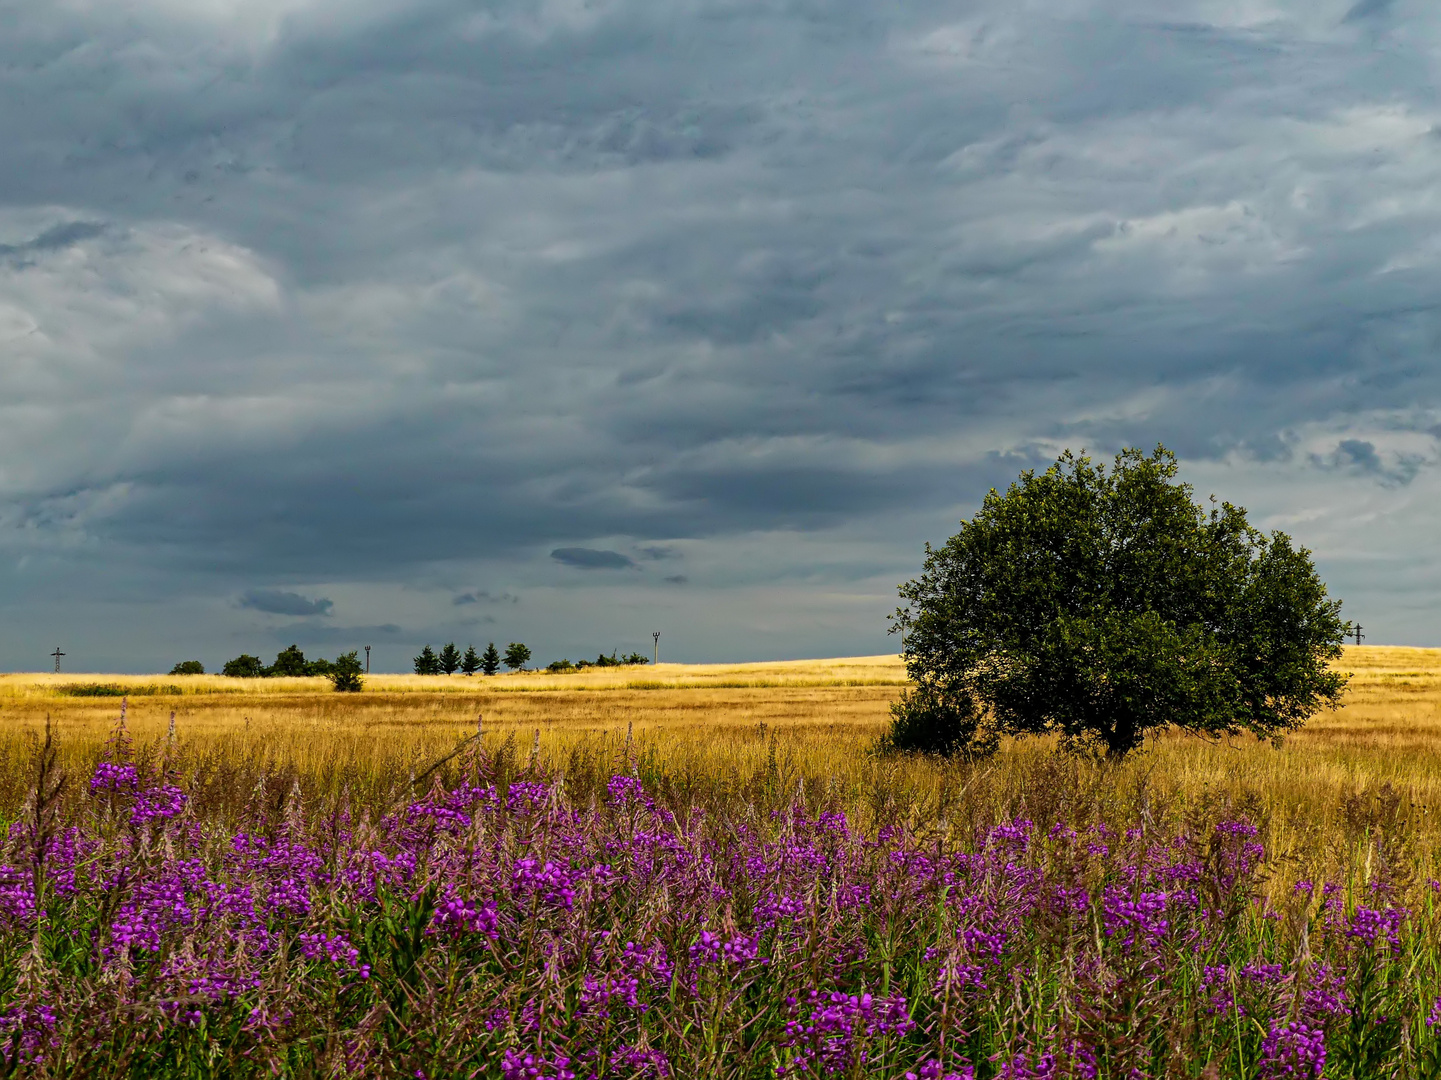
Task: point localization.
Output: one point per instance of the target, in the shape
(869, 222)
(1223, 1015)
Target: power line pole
(654, 633)
(57, 654)
(1357, 630)
(367, 659)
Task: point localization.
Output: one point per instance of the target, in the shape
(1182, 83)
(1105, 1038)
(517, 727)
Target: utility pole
(1356, 629)
(367, 659)
(654, 633)
(57, 654)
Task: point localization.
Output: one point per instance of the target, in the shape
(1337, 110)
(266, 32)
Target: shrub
(188, 667)
(1102, 605)
(117, 690)
(926, 722)
(345, 672)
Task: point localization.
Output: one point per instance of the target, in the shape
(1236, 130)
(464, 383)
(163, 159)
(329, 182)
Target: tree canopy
(1101, 605)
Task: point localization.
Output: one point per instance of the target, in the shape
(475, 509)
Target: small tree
(516, 656)
(1103, 605)
(345, 673)
(427, 663)
(470, 662)
(490, 659)
(188, 667)
(289, 661)
(449, 659)
(244, 666)
(319, 666)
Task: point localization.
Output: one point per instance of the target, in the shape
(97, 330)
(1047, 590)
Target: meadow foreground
(305, 883)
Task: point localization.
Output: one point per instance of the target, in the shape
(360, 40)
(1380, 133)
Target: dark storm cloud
(374, 301)
(273, 602)
(55, 238)
(344, 638)
(1366, 9)
(592, 559)
(480, 596)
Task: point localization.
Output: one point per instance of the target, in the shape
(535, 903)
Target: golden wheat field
(736, 730)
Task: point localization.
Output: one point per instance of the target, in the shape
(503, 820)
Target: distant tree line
(562, 666)
(450, 659)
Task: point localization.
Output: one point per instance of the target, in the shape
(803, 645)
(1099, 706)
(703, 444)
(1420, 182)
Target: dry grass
(1369, 768)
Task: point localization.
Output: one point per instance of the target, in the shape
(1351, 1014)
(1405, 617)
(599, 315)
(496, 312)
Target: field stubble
(764, 732)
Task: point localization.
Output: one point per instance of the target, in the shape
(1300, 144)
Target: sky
(390, 322)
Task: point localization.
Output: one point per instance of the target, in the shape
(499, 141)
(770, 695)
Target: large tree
(427, 663)
(490, 659)
(289, 661)
(449, 658)
(1101, 605)
(516, 656)
(470, 662)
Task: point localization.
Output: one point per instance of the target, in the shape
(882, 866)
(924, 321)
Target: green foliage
(449, 659)
(289, 661)
(188, 667)
(1102, 605)
(244, 666)
(926, 722)
(490, 659)
(345, 673)
(516, 656)
(470, 662)
(427, 663)
(319, 666)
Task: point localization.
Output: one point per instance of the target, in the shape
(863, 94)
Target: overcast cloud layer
(396, 321)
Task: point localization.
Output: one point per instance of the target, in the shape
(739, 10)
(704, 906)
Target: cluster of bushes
(344, 671)
(289, 661)
(559, 667)
(450, 659)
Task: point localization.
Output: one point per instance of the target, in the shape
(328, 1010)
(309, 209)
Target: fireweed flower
(555, 935)
(833, 1033)
(1293, 1050)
